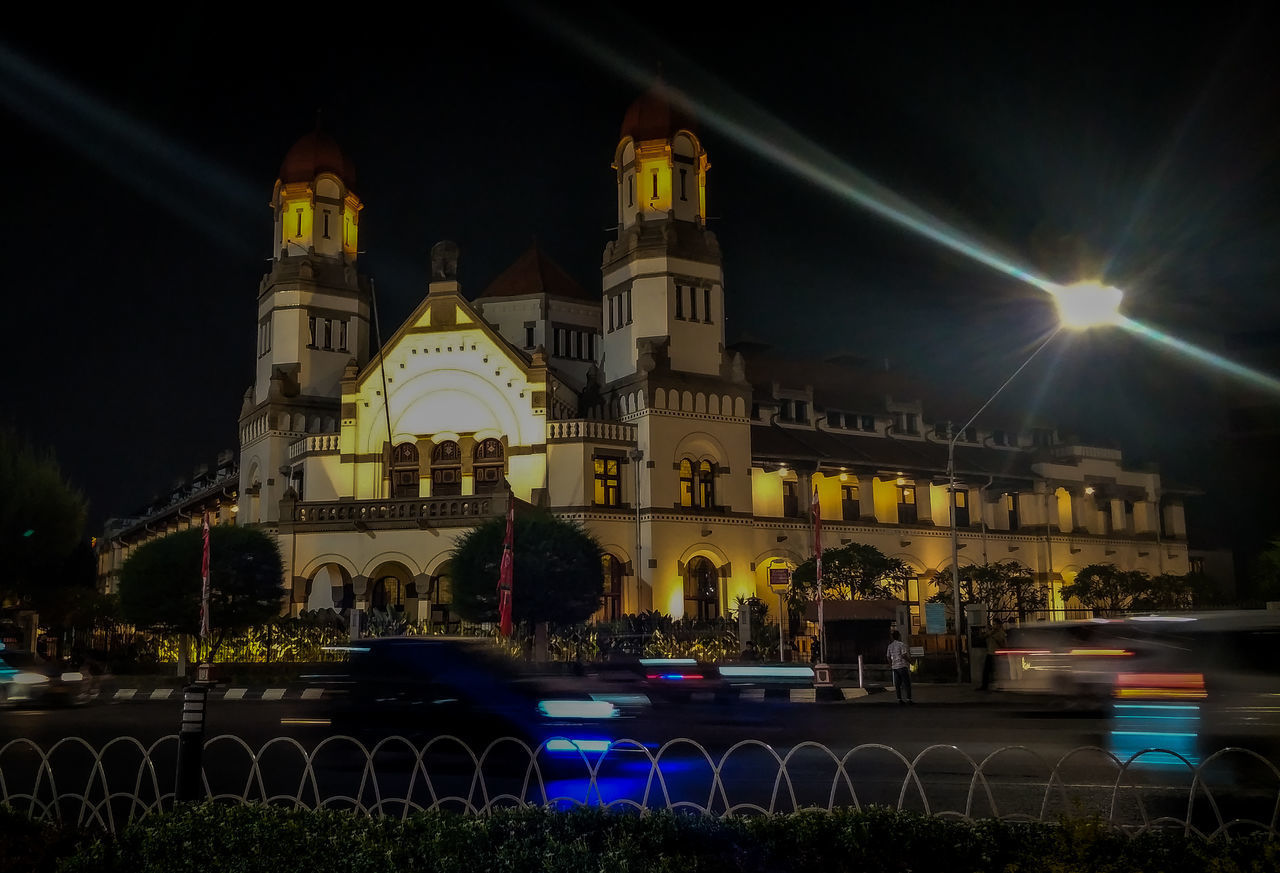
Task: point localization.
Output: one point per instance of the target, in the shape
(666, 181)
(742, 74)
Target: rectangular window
(999, 438)
(607, 482)
(706, 305)
(962, 507)
(627, 295)
(528, 336)
(835, 419)
(298, 233)
(655, 185)
(906, 504)
(868, 422)
(326, 224)
(573, 344)
(326, 334)
(341, 341)
(684, 178)
(693, 303)
(631, 190)
(311, 326)
(802, 412)
(913, 423)
(1011, 506)
(680, 302)
(613, 312)
(849, 505)
(560, 342)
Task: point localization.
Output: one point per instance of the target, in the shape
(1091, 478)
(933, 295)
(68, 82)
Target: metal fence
(124, 780)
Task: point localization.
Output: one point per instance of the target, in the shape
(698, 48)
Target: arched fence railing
(125, 780)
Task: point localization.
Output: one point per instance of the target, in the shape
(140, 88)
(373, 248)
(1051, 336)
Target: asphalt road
(286, 750)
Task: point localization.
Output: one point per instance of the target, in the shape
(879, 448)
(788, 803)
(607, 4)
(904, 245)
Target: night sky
(139, 162)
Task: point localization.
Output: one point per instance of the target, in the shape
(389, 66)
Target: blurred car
(464, 687)
(1211, 677)
(27, 678)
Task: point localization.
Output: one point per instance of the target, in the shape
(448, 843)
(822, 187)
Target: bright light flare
(1087, 304)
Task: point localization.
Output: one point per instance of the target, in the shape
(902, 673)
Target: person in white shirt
(900, 665)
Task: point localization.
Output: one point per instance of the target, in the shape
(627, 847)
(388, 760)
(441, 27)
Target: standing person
(995, 640)
(900, 665)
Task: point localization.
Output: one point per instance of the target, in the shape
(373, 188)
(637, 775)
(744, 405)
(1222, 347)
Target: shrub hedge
(210, 838)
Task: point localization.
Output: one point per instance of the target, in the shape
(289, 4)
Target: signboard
(779, 579)
(935, 618)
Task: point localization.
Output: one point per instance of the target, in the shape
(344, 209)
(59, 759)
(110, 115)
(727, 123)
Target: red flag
(817, 559)
(204, 583)
(505, 572)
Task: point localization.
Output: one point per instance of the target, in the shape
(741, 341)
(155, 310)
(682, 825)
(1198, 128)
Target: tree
(41, 519)
(1107, 589)
(558, 576)
(160, 582)
(853, 572)
(1006, 588)
(1264, 574)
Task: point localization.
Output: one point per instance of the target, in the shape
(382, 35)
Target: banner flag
(505, 571)
(204, 583)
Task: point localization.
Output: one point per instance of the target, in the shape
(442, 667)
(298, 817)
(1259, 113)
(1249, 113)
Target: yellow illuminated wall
(1066, 520)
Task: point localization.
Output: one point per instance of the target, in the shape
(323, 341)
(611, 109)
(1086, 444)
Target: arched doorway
(701, 590)
(611, 592)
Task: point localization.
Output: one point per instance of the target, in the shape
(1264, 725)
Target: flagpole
(817, 555)
(202, 669)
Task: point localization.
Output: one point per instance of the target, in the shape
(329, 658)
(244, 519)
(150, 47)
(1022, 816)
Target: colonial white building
(691, 462)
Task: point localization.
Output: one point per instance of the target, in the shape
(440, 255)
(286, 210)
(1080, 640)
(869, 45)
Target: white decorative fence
(124, 780)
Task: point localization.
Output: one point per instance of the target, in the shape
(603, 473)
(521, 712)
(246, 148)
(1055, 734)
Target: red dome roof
(653, 115)
(316, 153)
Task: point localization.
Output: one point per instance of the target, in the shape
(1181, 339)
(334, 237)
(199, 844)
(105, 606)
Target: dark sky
(1135, 138)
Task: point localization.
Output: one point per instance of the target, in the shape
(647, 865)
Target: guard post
(191, 739)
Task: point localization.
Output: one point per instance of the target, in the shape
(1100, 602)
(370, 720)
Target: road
(284, 749)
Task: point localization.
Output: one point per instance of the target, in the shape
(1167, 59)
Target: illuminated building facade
(693, 463)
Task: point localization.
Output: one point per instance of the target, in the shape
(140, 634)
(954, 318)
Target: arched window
(446, 470)
(701, 590)
(706, 485)
(404, 470)
(488, 466)
(611, 596)
(686, 482)
(388, 594)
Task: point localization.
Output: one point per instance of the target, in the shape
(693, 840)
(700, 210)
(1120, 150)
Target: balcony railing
(326, 443)
(588, 429)
(420, 512)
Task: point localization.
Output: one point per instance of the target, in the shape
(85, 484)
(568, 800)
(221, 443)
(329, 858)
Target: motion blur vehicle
(1211, 677)
(28, 679)
(464, 687)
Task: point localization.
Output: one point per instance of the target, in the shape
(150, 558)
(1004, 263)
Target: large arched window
(611, 595)
(706, 485)
(388, 594)
(686, 482)
(404, 470)
(446, 470)
(488, 466)
(701, 590)
(697, 484)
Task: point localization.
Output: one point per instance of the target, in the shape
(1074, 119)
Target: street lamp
(1080, 306)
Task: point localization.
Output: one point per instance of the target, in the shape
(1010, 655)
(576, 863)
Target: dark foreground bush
(210, 838)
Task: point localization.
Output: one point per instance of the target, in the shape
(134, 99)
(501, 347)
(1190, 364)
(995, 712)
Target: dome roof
(316, 153)
(654, 116)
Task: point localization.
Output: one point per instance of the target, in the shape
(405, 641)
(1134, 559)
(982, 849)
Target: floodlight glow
(1087, 304)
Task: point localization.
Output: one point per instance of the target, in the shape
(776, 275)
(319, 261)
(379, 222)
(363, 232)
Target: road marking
(753, 694)
(235, 694)
(804, 695)
(125, 693)
(295, 721)
(313, 694)
(161, 693)
(273, 694)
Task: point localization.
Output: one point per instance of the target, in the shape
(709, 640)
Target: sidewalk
(934, 693)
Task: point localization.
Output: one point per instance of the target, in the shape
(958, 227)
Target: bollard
(191, 744)
(860, 683)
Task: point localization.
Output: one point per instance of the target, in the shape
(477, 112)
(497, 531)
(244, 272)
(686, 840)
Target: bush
(211, 837)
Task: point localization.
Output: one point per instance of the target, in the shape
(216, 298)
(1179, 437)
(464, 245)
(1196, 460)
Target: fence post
(191, 744)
